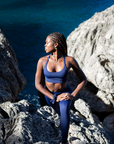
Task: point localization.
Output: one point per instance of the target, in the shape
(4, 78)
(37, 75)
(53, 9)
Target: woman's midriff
(55, 87)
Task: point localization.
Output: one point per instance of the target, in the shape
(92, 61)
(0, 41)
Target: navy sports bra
(56, 77)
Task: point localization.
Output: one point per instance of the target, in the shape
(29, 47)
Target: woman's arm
(39, 79)
(74, 65)
(80, 75)
(71, 63)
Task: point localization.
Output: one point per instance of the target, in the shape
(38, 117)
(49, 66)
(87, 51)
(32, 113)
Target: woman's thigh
(61, 106)
(55, 106)
(64, 107)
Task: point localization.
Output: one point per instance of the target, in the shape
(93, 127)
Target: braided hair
(59, 38)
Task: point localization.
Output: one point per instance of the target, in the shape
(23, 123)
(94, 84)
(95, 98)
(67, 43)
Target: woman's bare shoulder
(71, 61)
(42, 60)
(69, 58)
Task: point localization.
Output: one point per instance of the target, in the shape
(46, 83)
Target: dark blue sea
(26, 23)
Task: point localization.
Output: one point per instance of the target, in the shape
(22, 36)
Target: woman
(55, 68)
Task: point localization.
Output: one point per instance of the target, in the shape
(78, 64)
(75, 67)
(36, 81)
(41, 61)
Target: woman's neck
(56, 56)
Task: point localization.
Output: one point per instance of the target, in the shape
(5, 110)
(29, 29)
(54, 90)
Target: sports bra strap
(64, 60)
(48, 59)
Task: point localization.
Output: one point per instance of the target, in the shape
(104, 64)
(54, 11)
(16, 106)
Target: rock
(85, 110)
(92, 45)
(16, 128)
(11, 80)
(109, 122)
(96, 103)
(22, 123)
(28, 125)
(86, 132)
(23, 127)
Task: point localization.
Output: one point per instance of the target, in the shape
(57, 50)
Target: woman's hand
(64, 96)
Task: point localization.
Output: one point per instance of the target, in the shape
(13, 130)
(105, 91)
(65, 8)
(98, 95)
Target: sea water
(26, 23)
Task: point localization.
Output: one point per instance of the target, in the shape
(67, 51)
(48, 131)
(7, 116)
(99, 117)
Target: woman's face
(49, 46)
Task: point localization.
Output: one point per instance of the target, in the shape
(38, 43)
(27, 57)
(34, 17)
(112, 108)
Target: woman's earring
(55, 48)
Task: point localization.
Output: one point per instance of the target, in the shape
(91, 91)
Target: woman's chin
(47, 51)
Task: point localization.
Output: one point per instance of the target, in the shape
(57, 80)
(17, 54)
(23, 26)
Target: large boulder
(92, 45)
(22, 123)
(11, 80)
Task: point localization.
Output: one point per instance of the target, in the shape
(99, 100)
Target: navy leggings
(63, 109)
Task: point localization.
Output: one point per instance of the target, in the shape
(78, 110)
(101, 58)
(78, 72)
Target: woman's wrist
(72, 97)
(74, 94)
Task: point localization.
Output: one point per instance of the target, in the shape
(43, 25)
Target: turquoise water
(26, 23)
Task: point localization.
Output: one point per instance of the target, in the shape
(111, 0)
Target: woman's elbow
(85, 80)
(37, 85)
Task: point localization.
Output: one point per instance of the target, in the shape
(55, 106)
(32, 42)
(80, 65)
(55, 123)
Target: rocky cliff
(11, 80)
(91, 44)
(21, 123)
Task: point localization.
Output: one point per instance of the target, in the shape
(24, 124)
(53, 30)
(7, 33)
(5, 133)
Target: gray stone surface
(92, 45)
(21, 123)
(97, 103)
(11, 80)
(85, 110)
(86, 132)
